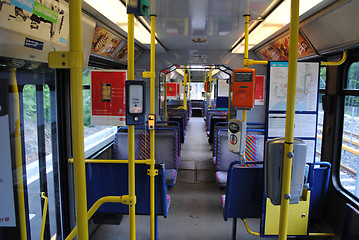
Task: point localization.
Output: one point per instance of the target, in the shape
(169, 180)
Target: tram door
(35, 107)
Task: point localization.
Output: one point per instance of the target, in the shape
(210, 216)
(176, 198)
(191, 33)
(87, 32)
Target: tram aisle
(196, 155)
(196, 209)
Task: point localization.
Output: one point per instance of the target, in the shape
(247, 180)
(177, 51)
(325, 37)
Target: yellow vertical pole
(18, 156)
(210, 87)
(184, 88)
(246, 40)
(165, 84)
(289, 124)
(131, 128)
(189, 88)
(152, 134)
(78, 120)
(229, 100)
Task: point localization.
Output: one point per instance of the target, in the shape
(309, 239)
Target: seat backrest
(214, 120)
(166, 146)
(244, 191)
(253, 152)
(105, 179)
(224, 156)
(217, 127)
(209, 115)
(318, 179)
(180, 120)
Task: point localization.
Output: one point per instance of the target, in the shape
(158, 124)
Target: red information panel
(259, 93)
(108, 98)
(172, 89)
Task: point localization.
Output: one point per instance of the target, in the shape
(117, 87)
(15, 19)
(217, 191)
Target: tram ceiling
(219, 23)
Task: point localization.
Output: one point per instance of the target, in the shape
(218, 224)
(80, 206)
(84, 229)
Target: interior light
(275, 21)
(180, 71)
(215, 71)
(115, 11)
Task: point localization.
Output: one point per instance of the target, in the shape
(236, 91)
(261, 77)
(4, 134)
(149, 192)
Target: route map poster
(306, 104)
(108, 99)
(307, 86)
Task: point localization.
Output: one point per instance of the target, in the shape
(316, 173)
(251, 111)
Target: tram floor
(195, 213)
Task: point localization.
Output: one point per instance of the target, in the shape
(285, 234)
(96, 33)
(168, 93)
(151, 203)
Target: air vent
(198, 58)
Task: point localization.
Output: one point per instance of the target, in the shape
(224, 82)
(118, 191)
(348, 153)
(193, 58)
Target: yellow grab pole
(78, 120)
(246, 40)
(246, 35)
(184, 88)
(289, 124)
(18, 156)
(165, 84)
(131, 128)
(189, 88)
(44, 213)
(152, 172)
(229, 100)
(210, 87)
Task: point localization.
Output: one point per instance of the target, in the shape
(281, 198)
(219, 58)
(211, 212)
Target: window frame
(343, 72)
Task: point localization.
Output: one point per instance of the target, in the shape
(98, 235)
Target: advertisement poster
(279, 50)
(46, 20)
(7, 206)
(259, 93)
(104, 43)
(172, 90)
(122, 54)
(108, 98)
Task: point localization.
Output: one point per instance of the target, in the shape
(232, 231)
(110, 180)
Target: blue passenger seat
(244, 192)
(167, 149)
(105, 179)
(223, 157)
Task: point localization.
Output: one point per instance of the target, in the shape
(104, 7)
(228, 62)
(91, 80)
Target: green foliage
(353, 77)
(29, 100)
(323, 77)
(86, 80)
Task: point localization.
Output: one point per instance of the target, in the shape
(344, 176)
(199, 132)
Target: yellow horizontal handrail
(340, 62)
(247, 62)
(322, 234)
(112, 199)
(147, 161)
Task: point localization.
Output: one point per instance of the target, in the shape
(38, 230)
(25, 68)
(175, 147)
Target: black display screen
(233, 127)
(243, 77)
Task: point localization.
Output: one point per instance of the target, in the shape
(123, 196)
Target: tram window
(349, 164)
(196, 91)
(38, 136)
(102, 132)
(322, 83)
(322, 77)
